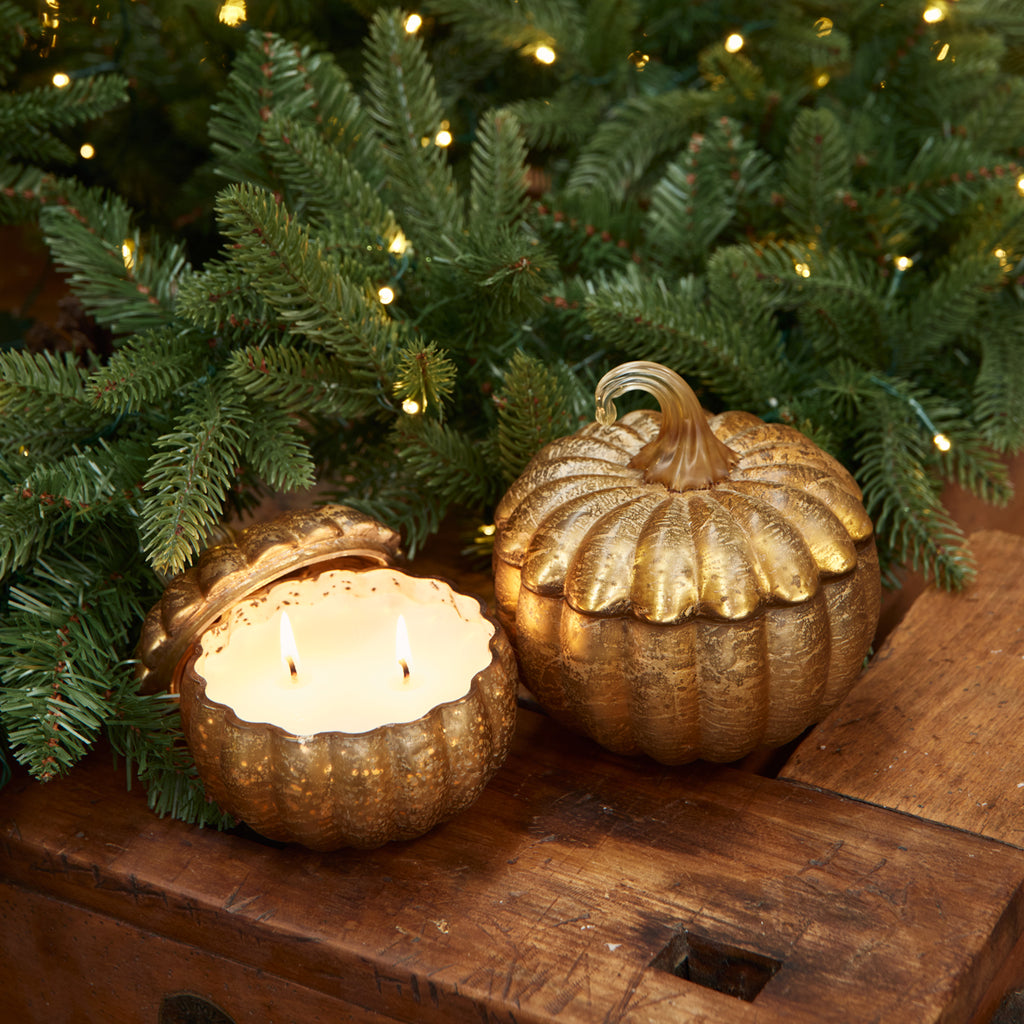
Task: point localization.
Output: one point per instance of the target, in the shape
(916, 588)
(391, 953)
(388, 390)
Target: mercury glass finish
(685, 585)
(336, 789)
(330, 789)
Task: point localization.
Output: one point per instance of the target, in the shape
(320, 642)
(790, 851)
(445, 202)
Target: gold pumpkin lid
(255, 556)
(679, 514)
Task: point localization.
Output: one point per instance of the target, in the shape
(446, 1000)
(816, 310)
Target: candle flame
(289, 649)
(403, 654)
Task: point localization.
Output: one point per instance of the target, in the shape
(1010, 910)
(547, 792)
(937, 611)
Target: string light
(545, 55)
(386, 295)
(128, 253)
(61, 80)
(933, 15)
(488, 529)
(413, 24)
(232, 12)
(942, 442)
(823, 27)
(943, 53)
(399, 244)
(802, 269)
(86, 151)
(639, 60)
(1020, 184)
(444, 137)
(410, 407)
(734, 43)
(903, 263)
(823, 79)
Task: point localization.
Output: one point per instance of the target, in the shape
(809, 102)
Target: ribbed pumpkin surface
(693, 623)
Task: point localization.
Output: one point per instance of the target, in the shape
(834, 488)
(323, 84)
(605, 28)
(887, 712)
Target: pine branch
(191, 470)
(903, 498)
(224, 297)
(269, 76)
(147, 369)
(424, 376)
(403, 101)
(566, 118)
(276, 452)
(124, 281)
(298, 381)
(649, 320)
(301, 283)
(999, 386)
(443, 462)
(816, 170)
(700, 192)
(327, 188)
(637, 132)
(69, 618)
(533, 409)
(29, 119)
(497, 196)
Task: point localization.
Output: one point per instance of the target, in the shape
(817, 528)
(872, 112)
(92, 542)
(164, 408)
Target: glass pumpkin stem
(686, 454)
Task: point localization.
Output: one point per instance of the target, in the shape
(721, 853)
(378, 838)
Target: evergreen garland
(823, 227)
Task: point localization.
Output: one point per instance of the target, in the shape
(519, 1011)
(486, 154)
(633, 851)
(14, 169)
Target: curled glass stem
(686, 454)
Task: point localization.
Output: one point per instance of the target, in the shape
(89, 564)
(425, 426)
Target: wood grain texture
(934, 726)
(547, 901)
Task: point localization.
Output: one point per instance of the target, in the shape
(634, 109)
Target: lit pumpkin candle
(328, 697)
(333, 653)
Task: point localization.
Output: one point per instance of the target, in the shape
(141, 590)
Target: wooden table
(878, 879)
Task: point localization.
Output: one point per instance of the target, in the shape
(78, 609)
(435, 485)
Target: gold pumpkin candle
(380, 707)
(685, 585)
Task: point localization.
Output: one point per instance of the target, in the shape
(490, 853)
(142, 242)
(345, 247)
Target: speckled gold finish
(226, 573)
(692, 603)
(331, 789)
(338, 789)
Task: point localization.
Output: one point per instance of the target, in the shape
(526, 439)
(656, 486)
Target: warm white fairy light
(410, 407)
(943, 53)
(386, 295)
(232, 12)
(444, 137)
(61, 80)
(545, 54)
(903, 263)
(399, 244)
(128, 254)
(639, 59)
(942, 442)
(413, 24)
(1020, 184)
(802, 269)
(823, 79)
(86, 151)
(488, 529)
(823, 27)
(734, 43)
(933, 14)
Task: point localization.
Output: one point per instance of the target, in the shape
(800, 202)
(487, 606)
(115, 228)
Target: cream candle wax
(345, 673)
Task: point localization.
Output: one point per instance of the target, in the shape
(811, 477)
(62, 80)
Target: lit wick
(289, 649)
(402, 652)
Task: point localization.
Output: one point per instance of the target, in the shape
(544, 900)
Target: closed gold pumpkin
(685, 585)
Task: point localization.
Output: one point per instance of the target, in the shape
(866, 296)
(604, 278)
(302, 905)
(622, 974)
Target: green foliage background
(823, 227)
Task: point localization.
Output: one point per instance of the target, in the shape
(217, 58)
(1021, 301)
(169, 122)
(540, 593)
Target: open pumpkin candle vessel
(347, 703)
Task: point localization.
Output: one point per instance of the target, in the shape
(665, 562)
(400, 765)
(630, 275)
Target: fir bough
(823, 227)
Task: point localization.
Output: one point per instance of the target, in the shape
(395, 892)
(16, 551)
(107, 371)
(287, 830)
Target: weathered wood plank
(934, 726)
(551, 897)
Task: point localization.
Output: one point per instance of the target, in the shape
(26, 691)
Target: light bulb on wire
(61, 80)
(545, 55)
(413, 24)
(734, 43)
